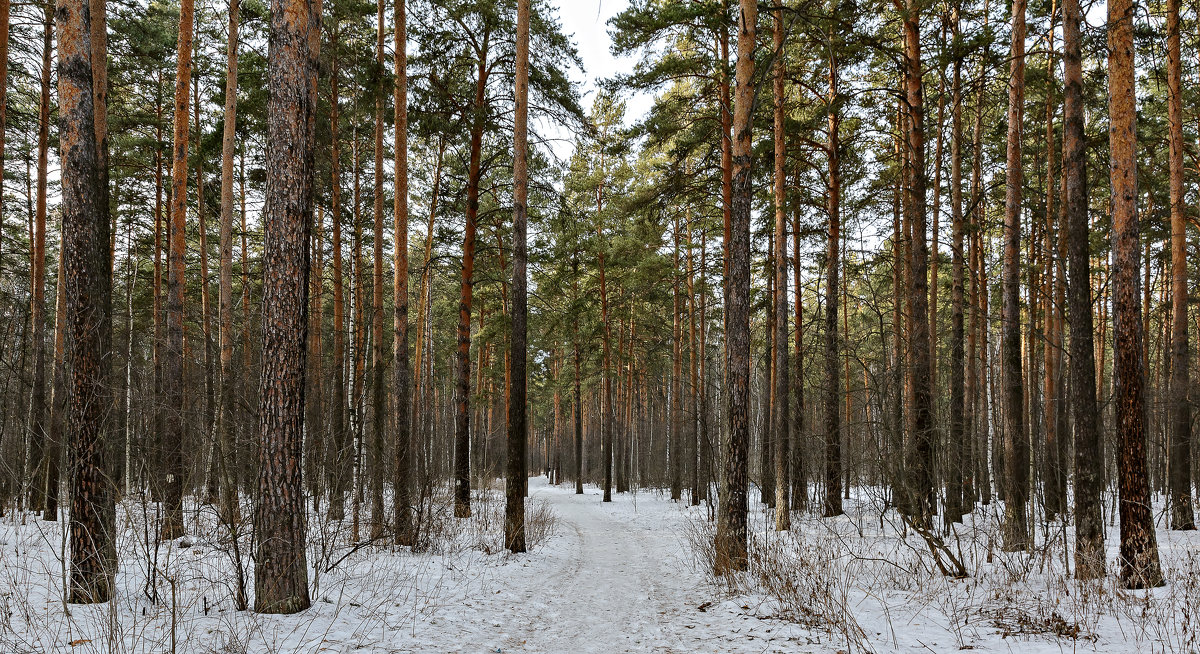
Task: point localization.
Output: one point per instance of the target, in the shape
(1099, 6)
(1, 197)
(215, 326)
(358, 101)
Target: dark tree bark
(1180, 464)
(1139, 549)
(337, 458)
(85, 255)
(833, 380)
(514, 509)
(378, 419)
(462, 415)
(1016, 437)
(919, 457)
(955, 491)
(225, 427)
(730, 542)
(578, 409)
(675, 408)
(401, 385)
(4, 13)
(281, 571)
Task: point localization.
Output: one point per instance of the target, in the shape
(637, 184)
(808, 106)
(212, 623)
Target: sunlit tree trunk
(172, 522)
(1139, 550)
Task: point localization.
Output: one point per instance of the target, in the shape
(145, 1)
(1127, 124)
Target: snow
(625, 576)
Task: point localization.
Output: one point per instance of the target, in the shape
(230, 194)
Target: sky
(587, 22)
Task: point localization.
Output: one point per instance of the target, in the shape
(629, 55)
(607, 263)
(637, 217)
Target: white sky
(587, 23)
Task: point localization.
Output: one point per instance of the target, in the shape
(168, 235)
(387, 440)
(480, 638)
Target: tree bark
(730, 541)
(172, 523)
(1180, 465)
(225, 439)
(780, 414)
(378, 419)
(955, 491)
(462, 426)
(833, 380)
(39, 435)
(919, 464)
(1016, 437)
(1139, 550)
(401, 384)
(85, 231)
(281, 572)
(514, 513)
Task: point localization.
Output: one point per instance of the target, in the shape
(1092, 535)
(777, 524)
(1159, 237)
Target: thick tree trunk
(1139, 549)
(730, 541)
(85, 256)
(1016, 437)
(281, 571)
(514, 510)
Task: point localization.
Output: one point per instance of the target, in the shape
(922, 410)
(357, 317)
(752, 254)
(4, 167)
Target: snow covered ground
(629, 576)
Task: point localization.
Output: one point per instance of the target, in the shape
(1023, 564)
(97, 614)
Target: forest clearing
(598, 325)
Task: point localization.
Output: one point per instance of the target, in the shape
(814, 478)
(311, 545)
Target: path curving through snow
(617, 578)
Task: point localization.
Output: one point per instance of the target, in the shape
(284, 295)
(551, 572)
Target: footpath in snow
(618, 577)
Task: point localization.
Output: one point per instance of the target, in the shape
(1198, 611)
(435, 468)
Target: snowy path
(618, 578)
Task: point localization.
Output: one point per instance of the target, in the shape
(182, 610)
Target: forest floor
(626, 576)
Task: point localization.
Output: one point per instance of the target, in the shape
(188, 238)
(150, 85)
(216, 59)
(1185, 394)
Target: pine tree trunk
(798, 436)
(337, 456)
(85, 256)
(730, 541)
(955, 457)
(4, 26)
(514, 511)
(675, 409)
(281, 571)
(225, 437)
(833, 382)
(172, 523)
(1182, 516)
(378, 419)
(1139, 550)
(401, 385)
(782, 404)
(462, 426)
(919, 459)
(39, 436)
(1016, 437)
